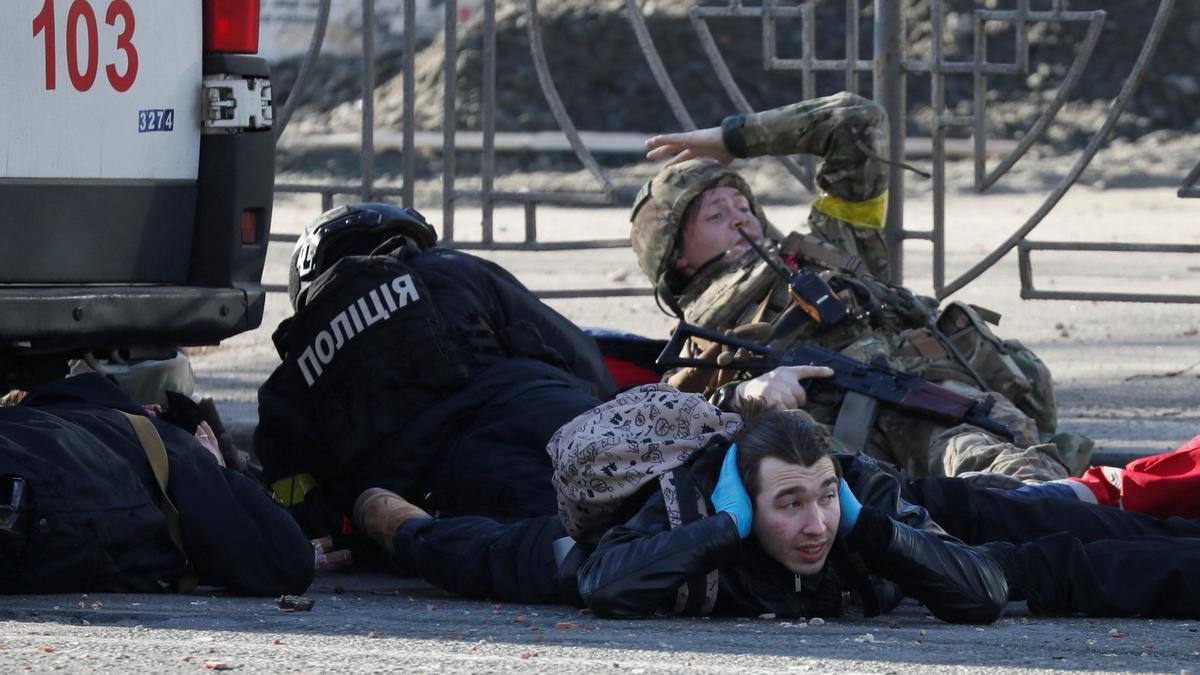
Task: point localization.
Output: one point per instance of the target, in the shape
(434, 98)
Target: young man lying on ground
(792, 526)
(689, 225)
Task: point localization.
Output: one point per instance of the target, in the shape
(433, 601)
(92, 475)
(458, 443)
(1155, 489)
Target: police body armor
(385, 361)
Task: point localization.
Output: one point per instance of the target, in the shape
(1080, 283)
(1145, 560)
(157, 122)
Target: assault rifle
(813, 295)
(858, 388)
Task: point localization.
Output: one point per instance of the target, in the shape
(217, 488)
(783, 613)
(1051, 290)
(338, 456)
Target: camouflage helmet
(659, 209)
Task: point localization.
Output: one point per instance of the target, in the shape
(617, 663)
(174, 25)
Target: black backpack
(75, 515)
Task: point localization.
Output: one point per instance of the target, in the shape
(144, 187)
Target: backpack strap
(685, 504)
(156, 453)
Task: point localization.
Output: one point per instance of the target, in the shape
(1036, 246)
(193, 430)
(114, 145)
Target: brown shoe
(378, 513)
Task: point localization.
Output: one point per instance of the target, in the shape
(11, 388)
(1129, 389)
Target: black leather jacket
(895, 550)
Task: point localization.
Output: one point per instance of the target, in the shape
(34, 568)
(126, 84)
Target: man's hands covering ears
(850, 508)
(730, 495)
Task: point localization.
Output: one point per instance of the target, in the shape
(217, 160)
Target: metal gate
(888, 66)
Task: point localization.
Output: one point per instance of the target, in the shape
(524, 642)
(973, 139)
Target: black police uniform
(434, 374)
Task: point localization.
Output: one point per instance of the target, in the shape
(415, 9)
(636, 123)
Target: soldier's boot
(378, 513)
(1075, 451)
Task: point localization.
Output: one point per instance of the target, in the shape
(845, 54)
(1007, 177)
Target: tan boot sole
(383, 527)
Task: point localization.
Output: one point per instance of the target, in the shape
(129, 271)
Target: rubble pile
(606, 84)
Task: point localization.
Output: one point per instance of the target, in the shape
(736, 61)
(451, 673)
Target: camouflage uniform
(847, 250)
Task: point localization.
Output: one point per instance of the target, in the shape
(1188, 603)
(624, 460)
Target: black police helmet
(352, 229)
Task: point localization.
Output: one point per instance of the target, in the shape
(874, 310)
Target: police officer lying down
(422, 369)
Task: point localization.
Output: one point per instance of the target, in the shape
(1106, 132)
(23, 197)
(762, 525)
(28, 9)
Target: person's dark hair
(790, 436)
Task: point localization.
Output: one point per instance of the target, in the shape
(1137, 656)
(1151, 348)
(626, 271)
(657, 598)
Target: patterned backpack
(607, 454)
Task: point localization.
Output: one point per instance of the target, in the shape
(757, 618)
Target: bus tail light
(231, 26)
(249, 228)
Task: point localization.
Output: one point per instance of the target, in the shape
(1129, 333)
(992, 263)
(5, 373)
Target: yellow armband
(870, 213)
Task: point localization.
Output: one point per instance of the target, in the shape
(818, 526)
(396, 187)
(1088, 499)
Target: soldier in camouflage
(688, 229)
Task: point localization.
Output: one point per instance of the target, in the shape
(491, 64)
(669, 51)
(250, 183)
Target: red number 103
(81, 16)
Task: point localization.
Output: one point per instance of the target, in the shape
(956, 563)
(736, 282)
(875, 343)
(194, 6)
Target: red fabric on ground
(1097, 481)
(1160, 485)
(629, 374)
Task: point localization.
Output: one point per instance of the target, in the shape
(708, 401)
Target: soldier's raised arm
(847, 132)
(686, 145)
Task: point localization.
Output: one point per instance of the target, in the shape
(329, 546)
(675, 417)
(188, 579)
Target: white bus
(136, 174)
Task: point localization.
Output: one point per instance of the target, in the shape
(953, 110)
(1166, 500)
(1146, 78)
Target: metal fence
(1189, 189)
(888, 67)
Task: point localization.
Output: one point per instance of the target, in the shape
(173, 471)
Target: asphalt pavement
(379, 623)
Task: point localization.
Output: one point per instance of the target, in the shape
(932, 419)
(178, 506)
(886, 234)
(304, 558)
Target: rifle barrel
(903, 391)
